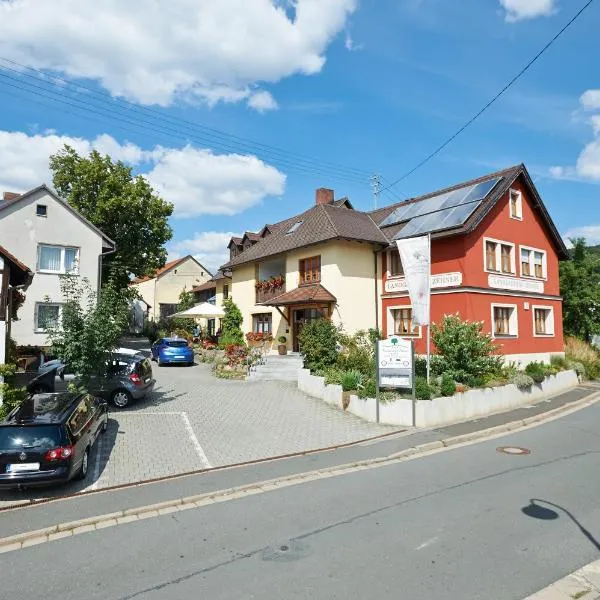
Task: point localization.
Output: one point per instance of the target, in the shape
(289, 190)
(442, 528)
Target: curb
(61, 530)
(579, 584)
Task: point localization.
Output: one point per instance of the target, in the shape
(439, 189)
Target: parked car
(171, 350)
(49, 437)
(122, 379)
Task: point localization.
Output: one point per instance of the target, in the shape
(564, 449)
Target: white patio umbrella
(204, 310)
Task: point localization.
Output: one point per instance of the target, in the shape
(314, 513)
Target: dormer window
(516, 205)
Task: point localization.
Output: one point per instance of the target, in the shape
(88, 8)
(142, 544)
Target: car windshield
(33, 436)
(176, 343)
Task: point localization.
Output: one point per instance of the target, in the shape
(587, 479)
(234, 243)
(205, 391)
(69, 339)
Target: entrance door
(302, 316)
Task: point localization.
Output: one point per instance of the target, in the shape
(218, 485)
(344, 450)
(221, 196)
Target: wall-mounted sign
(395, 362)
(514, 283)
(441, 280)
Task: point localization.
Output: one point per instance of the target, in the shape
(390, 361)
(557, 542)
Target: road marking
(424, 545)
(195, 442)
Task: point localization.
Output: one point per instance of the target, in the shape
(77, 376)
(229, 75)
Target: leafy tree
(124, 207)
(319, 345)
(231, 329)
(465, 352)
(91, 325)
(186, 300)
(580, 289)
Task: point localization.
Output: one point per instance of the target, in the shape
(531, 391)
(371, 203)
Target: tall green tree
(580, 289)
(231, 331)
(123, 206)
(91, 324)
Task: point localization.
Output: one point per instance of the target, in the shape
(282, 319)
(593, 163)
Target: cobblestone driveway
(193, 421)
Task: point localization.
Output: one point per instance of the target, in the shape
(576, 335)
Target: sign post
(395, 366)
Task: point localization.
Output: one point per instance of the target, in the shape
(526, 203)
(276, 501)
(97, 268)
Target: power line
(209, 134)
(144, 125)
(500, 93)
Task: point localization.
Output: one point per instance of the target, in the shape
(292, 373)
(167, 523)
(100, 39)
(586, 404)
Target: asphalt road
(450, 525)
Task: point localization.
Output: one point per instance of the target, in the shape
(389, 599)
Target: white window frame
(513, 322)
(388, 263)
(549, 321)
(519, 195)
(36, 327)
(63, 249)
(499, 244)
(531, 251)
(390, 323)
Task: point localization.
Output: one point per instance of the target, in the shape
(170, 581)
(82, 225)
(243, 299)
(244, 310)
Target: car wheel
(83, 469)
(121, 398)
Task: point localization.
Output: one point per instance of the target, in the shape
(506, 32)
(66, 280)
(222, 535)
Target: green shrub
(11, 396)
(447, 385)
(464, 350)
(333, 376)
(592, 369)
(421, 366)
(231, 332)
(357, 352)
(536, 371)
(522, 381)
(367, 389)
(559, 361)
(578, 367)
(422, 389)
(350, 380)
(318, 343)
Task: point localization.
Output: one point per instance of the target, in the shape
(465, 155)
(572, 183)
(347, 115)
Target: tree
(580, 289)
(186, 300)
(124, 207)
(231, 332)
(91, 324)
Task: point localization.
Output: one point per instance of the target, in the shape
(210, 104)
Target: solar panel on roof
(441, 202)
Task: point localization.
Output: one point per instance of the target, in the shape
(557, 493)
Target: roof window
(294, 227)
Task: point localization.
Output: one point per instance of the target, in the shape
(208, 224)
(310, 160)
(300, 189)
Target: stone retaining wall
(439, 411)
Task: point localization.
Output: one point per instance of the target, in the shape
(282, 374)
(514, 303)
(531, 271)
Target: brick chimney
(324, 196)
(8, 196)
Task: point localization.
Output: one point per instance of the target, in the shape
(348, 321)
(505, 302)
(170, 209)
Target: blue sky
(342, 88)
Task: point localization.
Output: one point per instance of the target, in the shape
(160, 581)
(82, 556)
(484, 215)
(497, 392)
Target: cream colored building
(321, 263)
(162, 291)
(52, 239)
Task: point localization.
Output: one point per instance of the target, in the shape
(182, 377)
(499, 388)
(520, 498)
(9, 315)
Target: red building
(495, 254)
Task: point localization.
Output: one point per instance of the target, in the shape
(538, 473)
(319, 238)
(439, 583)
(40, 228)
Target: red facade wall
(465, 254)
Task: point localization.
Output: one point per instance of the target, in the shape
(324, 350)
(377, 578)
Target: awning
(305, 294)
(204, 310)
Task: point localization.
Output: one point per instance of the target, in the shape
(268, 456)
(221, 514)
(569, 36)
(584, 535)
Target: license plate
(22, 467)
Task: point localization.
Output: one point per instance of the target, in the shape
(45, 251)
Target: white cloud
(208, 247)
(517, 10)
(195, 180)
(262, 101)
(591, 233)
(200, 182)
(587, 165)
(152, 51)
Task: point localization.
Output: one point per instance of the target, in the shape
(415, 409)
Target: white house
(161, 291)
(53, 239)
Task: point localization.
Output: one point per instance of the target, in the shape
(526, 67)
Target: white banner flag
(415, 254)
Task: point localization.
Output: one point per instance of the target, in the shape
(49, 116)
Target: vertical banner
(415, 254)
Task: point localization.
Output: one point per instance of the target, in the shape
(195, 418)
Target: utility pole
(376, 185)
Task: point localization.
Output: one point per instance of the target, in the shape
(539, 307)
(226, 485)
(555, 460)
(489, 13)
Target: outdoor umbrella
(204, 310)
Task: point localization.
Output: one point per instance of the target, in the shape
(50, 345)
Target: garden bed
(462, 406)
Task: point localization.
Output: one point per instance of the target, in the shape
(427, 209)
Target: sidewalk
(59, 510)
(583, 584)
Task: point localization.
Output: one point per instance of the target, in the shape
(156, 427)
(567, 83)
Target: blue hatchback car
(166, 351)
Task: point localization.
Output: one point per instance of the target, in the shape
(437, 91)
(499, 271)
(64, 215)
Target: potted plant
(282, 347)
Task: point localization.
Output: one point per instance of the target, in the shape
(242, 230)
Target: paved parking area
(193, 421)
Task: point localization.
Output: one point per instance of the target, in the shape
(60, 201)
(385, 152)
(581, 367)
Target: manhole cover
(513, 450)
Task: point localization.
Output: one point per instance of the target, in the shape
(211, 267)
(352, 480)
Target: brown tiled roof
(235, 240)
(160, 271)
(222, 275)
(343, 202)
(209, 285)
(16, 278)
(314, 293)
(318, 224)
(254, 237)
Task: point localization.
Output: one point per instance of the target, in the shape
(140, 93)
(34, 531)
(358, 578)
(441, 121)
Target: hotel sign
(441, 280)
(516, 284)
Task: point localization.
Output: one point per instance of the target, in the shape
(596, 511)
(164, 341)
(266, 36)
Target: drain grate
(515, 450)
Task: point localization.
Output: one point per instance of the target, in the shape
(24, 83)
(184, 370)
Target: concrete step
(277, 368)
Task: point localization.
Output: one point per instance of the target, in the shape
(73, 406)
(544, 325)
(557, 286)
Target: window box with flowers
(269, 288)
(255, 338)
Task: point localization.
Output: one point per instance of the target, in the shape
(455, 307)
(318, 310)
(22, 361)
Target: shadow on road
(536, 511)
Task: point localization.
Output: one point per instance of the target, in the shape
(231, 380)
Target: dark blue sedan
(166, 351)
